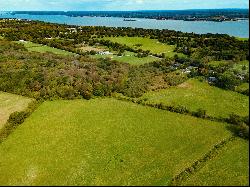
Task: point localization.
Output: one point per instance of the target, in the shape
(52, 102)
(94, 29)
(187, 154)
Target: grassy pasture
(43, 48)
(194, 94)
(104, 142)
(129, 57)
(152, 45)
(243, 87)
(230, 168)
(217, 63)
(10, 103)
(238, 66)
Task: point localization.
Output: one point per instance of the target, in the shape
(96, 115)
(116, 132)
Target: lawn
(10, 103)
(152, 45)
(43, 48)
(104, 142)
(129, 57)
(194, 95)
(230, 168)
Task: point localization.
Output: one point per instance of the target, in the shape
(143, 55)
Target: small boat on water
(129, 20)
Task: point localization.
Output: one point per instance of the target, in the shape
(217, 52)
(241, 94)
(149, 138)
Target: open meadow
(129, 57)
(104, 142)
(145, 44)
(10, 103)
(195, 95)
(43, 48)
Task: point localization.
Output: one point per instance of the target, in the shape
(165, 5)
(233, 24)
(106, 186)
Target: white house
(105, 53)
(23, 41)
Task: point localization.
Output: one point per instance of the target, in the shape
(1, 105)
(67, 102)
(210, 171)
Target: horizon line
(125, 10)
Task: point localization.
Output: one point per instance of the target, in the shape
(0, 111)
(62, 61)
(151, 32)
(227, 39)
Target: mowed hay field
(195, 95)
(104, 142)
(10, 103)
(152, 45)
(43, 48)
(230, 168)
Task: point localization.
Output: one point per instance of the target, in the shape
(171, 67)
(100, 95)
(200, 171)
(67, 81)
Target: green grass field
(242, 39)
(10, 103)
(104, 142)
(152, 45)
(130, 58)
(194, 94)
(243, 87)
(43, 48)
(217, 63)
(230, 168)
(238, 66)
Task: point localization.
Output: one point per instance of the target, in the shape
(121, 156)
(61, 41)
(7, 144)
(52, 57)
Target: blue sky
(10, 5)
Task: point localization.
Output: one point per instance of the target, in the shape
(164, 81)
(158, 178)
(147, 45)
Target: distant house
(212, 79)
(72, 30)
(188, 70)
(23, 41)
(176, 65)
(241, 77)
(105, 53)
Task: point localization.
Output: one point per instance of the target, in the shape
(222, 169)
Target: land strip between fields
(200, 163)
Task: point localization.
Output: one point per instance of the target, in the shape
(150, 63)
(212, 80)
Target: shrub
(246, 120)
(17, 118)
(201, 113)
(241, 131)
(240, 125)
(235, 119)
(85, 90)
(177, 109)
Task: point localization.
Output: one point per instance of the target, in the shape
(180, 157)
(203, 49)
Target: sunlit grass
(43, 48)
(230, 168)
(195, 95)
(10, 103)
(104, 142)
(152, 45)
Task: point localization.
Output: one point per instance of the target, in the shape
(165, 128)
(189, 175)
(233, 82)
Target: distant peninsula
(217, 15)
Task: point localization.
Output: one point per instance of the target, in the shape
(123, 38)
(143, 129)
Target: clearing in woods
(43, 48)
(152, 45)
